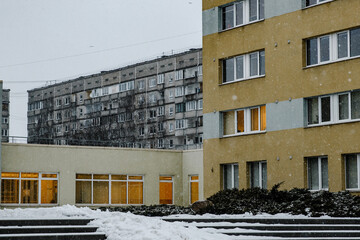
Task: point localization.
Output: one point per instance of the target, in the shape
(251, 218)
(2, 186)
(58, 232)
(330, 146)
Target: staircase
(45, 229)
(280, 228)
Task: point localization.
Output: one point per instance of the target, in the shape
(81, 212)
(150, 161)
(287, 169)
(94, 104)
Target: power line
(99, 51)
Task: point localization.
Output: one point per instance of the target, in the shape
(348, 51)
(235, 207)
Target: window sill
(239, 26)
(317, 4)
(242, 80)
(244, 134)
(353, 190)
(331, 62)
(333, 123)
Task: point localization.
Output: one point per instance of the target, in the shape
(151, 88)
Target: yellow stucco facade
(286, 78)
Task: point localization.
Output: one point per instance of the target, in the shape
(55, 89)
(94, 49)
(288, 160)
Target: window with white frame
(243, 67)
(105, 91)
(152, 113)
(333, 47)
(241, 13)
(317, 171)
(160, 143)
(152, 82)
(180, 124)
(152, 129)
(258, 174)
(243, 121)
(179, 91)
(166, 189)
(152, 98)
(58, 102)
(29, 188)
(4, 132)
(171, 95)
(352, 171)
(81, 98)
(171, 143)
(5, 120)
(230, 176)
(58, 116)
(160, 78)
(80, 112)
(161, 127)
(121, 117)
(309, 3)
(171, 127)
(191, 106)
(200, 71)
(161, 111)
(94, 189)
(171, 111)
(179, 74)
(126, 86)
(179, 107)
(67, 100)
(141, 131)
(335, 108)
(141, 84)
(200, 104)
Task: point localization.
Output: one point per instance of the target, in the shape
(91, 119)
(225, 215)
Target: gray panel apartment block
(285, 115)
(211, 19)
(278, 7)
(151, 104)
(212, 125)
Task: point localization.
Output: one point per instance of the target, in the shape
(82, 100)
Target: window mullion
(319, 173)
(92, 189)
(109, 189)
(39, 190)
(19, 188)
(348, 43)
(334, 108)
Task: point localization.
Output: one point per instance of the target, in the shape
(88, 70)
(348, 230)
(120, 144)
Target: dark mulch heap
(256, 200)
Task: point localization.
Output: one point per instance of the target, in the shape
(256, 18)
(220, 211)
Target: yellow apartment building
(281, 94)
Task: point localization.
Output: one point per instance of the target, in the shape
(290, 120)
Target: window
(335, 108)
(141, 84)
(244, 121)
(58, 116)
(152, 129)
(152, 98)
(243, 67)
(160, 143)
(161, 127)
(200, 71)
(241, 13)
(126, 86)
(194, 188)
(190, 106)
(258, 174)
(121, 117)
(171, 95)
(29, 188)
(317, 173)
(152, 82)
(179, 107)
(171, 111)
(179, 74)
(166, 190)
(141, 131)
(80, 112)
(200, 104)
(109, 189)
(141, 115)
(67, 100)
(160, 78)
(4, 132)
(58, 102)
(334, 47)
(180, 124)
(81, 98)
(179, 91)
(352, 171)
(230, 176)
(171, 127)
(152, 113)
(315, 2)
(58, 128)
(161, 111)
(5, 120)
(105, 91)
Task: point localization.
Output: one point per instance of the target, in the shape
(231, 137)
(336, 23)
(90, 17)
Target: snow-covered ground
(118, 225)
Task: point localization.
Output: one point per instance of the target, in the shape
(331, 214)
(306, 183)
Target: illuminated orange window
(118, 177)
(101, 176)
(49, 191)
(83, 192)
(29, 191)
(29, 175)
(48, 175)
(254, 119)
(194, 189)
(135, 193)
(263, 118)
(166, 190)
(118, 192)
(83, 176)
(240, 121)
(10, 175)
(9, 191)
(100, 192)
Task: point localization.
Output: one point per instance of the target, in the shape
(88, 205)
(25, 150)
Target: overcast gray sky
(45, 40)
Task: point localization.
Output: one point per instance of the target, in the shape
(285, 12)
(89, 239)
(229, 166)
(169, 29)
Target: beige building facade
(48, 175)
(281, 94)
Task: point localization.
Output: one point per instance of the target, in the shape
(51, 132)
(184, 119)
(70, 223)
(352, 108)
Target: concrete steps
(45, 229)
(280, 228)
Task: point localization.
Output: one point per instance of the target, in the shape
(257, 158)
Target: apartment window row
(333, 47)
(109, 189)
(126, 86)
(29, 188)
(36, 105)
(241, 13)
(244, 121)
(243, 67)
(335, 108)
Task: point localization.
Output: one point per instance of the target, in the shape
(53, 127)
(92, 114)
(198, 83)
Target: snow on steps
(46, 229)
(279, 228)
